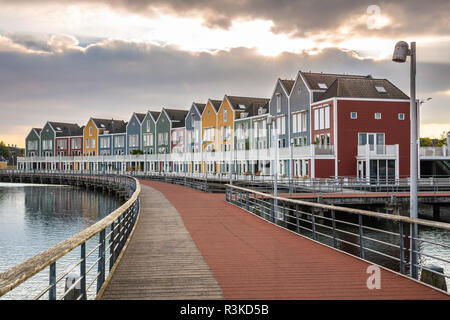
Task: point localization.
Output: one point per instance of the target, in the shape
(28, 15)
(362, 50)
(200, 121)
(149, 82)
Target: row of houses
(327, 125)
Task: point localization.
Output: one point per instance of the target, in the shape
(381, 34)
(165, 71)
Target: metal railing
(99, 247)
(380, 238)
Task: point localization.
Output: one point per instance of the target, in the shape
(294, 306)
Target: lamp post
(401, 52)
(271, 121)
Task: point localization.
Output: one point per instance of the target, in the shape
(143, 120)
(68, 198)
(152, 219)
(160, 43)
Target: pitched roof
(314, 79)
(200, 106)
(216, 104)
(111, 125)
(252, 109)
(140, 116)
(288, 85)
(363, 88)
(38, 130)
(66, 129)
(155, 114)
(177, 117)
(242, 103)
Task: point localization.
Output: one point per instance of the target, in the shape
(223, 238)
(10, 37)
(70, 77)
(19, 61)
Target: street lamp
(401, 52)
(271, 121)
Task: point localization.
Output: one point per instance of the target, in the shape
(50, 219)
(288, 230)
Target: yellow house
(209, 127)
(90, 138)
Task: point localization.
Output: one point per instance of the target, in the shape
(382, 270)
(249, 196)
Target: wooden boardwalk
(161, 260)
(222, 251)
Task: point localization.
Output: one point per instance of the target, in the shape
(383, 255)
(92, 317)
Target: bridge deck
(239, 256)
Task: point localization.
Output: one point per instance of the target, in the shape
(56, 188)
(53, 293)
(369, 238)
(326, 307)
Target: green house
(149, 132)
(33, 143)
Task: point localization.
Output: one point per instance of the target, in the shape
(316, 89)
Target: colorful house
(252, 133)
(49, 133)
(149, 132)
(33, 143)
(113, 139)
(366, 122)
(230, 109)
(98, 127)
(69, 141)
(134, 132)
(210, 137)
(193, 124)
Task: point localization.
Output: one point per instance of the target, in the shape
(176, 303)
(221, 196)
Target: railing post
(361, 237)
(83, 271)
(313, 221)
(333, 221)
(246, 200)
(112, 258)
(52, 282)
(297, 219)
(101, 262)
(402, 252)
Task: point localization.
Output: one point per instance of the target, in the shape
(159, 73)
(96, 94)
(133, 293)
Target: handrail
(368, 239)
(25, 270)
(435, 224)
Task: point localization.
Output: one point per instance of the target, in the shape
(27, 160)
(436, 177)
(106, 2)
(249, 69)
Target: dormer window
(322, 86)
(381, 89)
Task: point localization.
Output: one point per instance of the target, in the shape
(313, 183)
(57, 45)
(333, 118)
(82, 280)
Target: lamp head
(401, 51)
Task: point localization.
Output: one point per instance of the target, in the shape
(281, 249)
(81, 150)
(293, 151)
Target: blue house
(134, 132)
(112, 140)
(193, 124)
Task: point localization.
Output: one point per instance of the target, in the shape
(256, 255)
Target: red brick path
(252, 259)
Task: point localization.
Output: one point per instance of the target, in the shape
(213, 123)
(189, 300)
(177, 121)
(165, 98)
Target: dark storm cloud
(116, 78)
(301, 17)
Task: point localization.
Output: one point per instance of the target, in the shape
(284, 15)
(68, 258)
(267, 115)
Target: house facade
(33, 143)
(193, 124)
(366, 122)
(134, 132)
(149, 132)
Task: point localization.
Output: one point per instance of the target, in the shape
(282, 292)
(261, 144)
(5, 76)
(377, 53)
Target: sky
(67, 61)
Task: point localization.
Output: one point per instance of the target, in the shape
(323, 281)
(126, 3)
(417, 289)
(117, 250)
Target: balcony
(374, 151)
(434, 152)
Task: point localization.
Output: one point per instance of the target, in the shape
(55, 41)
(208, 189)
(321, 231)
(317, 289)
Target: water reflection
(34, 218)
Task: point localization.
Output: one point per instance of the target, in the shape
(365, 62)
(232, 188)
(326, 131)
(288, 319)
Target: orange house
(209, 127)
(90, 138)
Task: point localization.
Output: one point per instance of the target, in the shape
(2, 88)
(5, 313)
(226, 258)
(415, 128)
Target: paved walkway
(161, 260)
(248, 257)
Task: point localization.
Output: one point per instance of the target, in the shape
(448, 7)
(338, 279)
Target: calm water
(34, 218)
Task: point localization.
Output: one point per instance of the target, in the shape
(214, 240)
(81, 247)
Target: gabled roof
(216, 104)
(111, 125)
(200, 107)
(242, 103)
(66, 129)
(140, 116)
(313, 79)
(363, 88)
(252, 109)
(288, 85)
(37, 130)
(154, 114)
(177, 117)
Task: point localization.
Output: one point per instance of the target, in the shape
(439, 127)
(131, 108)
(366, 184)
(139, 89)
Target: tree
(136, 151)
(4, 151)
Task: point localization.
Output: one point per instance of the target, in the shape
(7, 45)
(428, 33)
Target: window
(299, 122)
(76, 143)
(278, 102)
(381, 89)
(401, 116)
(281, 125)
(322, 118)
(133, 140)
(225, 115)
(104, 142)
(119, 142)
(90, 131)
(62, 144)
(378, 115)
(32, 145)
(322, 85)
(353, 115)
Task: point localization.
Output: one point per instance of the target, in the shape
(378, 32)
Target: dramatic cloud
(69, 60)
